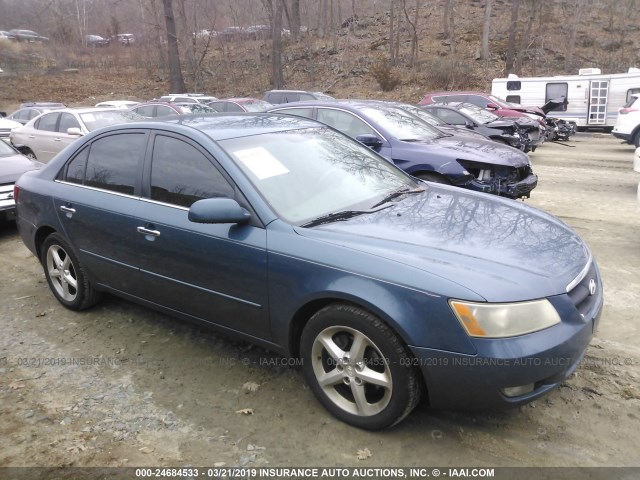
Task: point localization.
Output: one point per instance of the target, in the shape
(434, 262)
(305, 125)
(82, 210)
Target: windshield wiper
(397, 193)
(343, 215)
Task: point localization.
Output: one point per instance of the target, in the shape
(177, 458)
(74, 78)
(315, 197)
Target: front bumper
(543, 359)
(519, 189)
(7, 204)
(623, 136)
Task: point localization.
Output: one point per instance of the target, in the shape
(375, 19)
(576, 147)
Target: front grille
(581, 296)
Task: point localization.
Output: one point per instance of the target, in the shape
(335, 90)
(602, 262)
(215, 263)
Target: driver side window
(345, 122)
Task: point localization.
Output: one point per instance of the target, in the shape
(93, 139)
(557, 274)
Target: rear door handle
(67, 209)
(147, 231)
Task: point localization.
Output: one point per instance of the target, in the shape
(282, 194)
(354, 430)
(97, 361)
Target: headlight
(495, 320)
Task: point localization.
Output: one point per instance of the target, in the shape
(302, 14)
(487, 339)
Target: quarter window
(181, 175)
(630, 92)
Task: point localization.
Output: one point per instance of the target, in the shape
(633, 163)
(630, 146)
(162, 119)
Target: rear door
(42, 141)
(96, 199)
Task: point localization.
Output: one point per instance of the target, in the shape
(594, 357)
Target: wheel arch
(304, 313)
(40, 237)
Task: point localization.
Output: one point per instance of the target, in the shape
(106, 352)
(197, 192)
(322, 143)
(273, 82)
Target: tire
(345, 385)
(433, 178)
(636, 139)
(65, 274)
(29, 154)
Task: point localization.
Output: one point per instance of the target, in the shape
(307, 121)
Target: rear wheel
(636, 139)
(358, 368)
(433, 177)
(66, 275)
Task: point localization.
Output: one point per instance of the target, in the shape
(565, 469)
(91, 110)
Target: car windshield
(309, 173)
(99, 119)
(480, 115)
(401, 124)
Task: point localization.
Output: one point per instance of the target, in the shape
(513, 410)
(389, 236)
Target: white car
(628, 122)
(187, 98)
(117, 104)
(6, 126)
(44, 136)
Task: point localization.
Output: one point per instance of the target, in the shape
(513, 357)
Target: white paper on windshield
(261, 163)
(88, 117)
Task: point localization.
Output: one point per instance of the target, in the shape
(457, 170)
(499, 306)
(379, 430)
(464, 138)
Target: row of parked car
(446, 138)
(312, 232)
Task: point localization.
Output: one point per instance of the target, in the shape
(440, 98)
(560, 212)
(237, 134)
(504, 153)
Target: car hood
(502, 124)
(475, 149)
(500, 249)
(13, 166)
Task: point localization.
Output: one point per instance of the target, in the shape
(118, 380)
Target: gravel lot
(121, 385)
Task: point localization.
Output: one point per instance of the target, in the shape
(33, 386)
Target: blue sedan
(422, 150)
(293, 236)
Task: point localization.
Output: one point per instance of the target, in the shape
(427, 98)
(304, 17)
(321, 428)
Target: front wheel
(358, 368)
(65, 275)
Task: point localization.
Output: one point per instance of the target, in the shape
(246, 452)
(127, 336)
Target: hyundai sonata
(293, 236)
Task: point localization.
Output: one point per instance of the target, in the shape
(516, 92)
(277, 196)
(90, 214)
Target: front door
(216, 273)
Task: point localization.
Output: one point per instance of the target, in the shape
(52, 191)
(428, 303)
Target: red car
(494, 104)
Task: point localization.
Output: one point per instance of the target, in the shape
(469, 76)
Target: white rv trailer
(593, 99)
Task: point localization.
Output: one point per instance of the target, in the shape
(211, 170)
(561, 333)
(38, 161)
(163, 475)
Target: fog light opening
(517, 391)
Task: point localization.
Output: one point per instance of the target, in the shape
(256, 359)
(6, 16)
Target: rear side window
(48, 122)
(181, 174)
(234, 107)
(112, 163)
(299, 112)
(145, 111)
(275, 97)
(478, 100)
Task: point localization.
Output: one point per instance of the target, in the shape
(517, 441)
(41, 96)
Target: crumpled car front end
(503, 180)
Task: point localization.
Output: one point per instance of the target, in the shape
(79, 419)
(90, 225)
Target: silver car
(46, 135)
(12, 166)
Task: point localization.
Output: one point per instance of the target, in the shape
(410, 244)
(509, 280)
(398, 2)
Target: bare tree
(414, 30)
(276, 45)
(392, 16)
(568, 59)
(486, 28)
(511, 47)
(176, 81)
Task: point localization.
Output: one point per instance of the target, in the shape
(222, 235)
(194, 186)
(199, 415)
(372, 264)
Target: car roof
(223, 126)
(347, 104)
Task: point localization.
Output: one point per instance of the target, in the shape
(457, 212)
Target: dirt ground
(120, 385)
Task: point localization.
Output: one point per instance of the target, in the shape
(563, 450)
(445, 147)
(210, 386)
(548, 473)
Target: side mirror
(491, 106)
(218, 210)
(469, 124)
(74, 131)
(370, 141)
